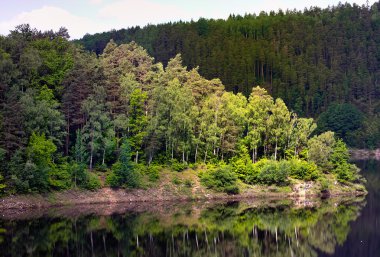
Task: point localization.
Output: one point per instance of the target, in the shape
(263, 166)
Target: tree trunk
(104, 155)
(275, 151)
(196, 153)
(137, 157)
(92, 149)
(205, 155)
(67, 137)
(150, 158)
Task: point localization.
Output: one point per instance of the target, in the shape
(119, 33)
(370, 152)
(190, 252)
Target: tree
(77, 86)
(41, 114)
(320, 148)
(123, 172)
(137, 120)
(278, 123)
(33, 175)
(98, 130)
(343, 119)
(259, 105)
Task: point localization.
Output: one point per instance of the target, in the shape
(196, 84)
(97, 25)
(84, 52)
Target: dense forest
(319, 61)
(67, 115)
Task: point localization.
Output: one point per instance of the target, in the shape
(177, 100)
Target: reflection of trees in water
(223, 230)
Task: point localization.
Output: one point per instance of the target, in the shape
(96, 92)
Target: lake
(334, 227)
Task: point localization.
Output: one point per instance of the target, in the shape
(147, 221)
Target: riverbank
(364, 154)
(172, 186)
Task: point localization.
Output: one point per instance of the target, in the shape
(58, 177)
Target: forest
(69, 118)
(324, 63)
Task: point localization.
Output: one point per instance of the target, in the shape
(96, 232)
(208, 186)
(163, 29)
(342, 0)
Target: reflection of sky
(90, 16)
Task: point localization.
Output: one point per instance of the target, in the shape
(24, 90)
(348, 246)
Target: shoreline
(106, 196)
(364, 154)
(166, 191)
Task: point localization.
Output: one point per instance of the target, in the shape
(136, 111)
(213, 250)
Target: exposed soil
(165, 191)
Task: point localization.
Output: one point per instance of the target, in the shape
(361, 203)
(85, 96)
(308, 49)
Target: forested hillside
(313, 60)
(67, 114)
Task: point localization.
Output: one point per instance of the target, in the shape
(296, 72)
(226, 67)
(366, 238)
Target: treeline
(66, 112)
(310, 59)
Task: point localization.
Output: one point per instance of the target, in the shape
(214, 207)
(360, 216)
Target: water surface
(335, 227)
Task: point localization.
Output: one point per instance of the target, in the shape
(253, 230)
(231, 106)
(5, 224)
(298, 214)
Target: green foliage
(68, 99)
(123, 172)
(178, 166)
(2, 185)
(343, 119)
(176, 181)
(188, 183)
(320, 148)
(93, 182)
(325, 185)
(60, 177)
(40, 150)
(33, 175)
(79, 175)
(301, 169)
(277, 172)
(272, 172)
(221, 179)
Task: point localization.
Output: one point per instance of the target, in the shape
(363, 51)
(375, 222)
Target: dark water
(337, 227)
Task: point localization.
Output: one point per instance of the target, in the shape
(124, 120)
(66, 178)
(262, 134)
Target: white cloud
(49, 17)
(95, 1)
(142, 12)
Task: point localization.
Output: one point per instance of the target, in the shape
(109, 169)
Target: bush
(79, 175)
(60, 177)
(176, 181)
(188, 183)
(345, 172)
(93, 182)
(178, 166)
(300, 169)
(153, 172)
(273, 173)
(232, 190)
(242, 168)
(2, 185)
(221, 179)
(324, 184)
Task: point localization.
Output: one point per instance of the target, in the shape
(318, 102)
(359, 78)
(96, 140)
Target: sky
(92, 16)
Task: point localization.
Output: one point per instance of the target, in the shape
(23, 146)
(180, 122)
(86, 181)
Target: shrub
(241, 168)
(93, 182)
(153, 172)
(178, 166)
(324, 184)
(188, 183)
(123, 172)
(301, 169)
(271, 173)
(232, 190)
(176, 181)
(60, 177)
(221, 179)
(2, 185)
(79, 175)
(345, 172)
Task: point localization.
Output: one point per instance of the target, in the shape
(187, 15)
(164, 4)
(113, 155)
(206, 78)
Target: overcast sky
(91, 16)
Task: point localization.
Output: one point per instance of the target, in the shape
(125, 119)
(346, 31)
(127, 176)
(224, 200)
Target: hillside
(310, 59)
